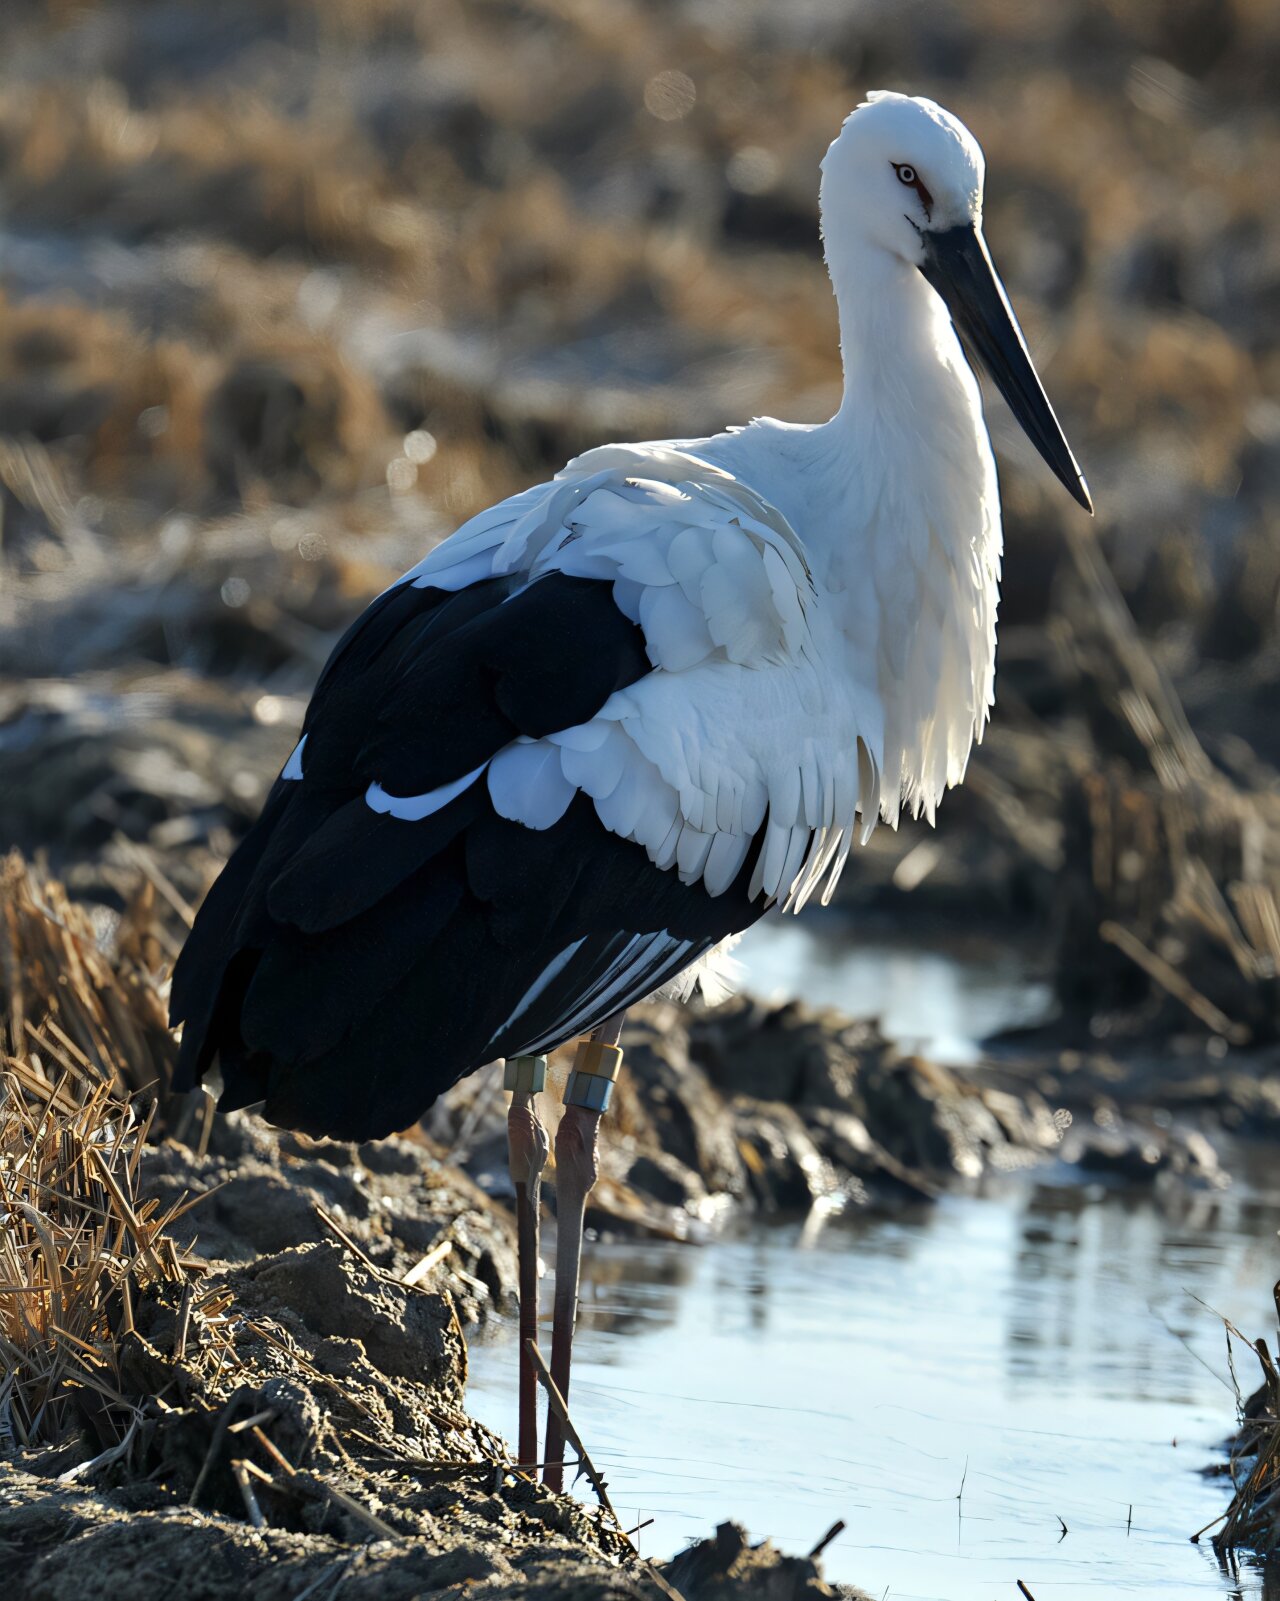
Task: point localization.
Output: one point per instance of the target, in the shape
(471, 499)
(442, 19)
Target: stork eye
(908, 175)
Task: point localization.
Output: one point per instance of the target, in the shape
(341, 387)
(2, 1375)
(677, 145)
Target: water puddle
(1043, 1349)
(957, 1382)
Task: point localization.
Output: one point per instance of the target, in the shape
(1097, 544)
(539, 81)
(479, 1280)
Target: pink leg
(577, 1167)
(527, 1148)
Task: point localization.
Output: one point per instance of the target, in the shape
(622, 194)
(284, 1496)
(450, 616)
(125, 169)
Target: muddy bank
(1237, 1092)
(763, 1109)
(60, 1542)
(296, 1415)
(747, 1106)
(398, 1202)
(288, 1398)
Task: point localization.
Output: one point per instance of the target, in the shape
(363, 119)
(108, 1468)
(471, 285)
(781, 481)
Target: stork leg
(527, 1149)
(586, 1097)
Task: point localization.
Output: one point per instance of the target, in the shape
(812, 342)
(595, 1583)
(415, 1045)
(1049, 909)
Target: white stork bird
(614, 720)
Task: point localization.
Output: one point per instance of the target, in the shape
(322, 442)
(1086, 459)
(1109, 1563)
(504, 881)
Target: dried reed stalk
(1252, 1521)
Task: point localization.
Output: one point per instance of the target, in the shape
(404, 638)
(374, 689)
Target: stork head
(906, 177)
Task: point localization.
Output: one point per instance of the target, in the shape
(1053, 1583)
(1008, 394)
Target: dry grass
(85, 1048)
(86, 1053)
(269, 181)
(78, 1252)
(81, 1007)
(497, 172)
(1252, 1521)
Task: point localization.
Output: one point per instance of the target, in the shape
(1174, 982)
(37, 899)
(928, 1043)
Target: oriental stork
(614, 720)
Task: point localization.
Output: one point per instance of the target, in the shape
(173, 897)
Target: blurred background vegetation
(288, 288)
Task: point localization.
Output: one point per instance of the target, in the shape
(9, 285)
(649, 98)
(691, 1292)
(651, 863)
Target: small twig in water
(837, 1528)
(964, 1478)
(1191, 1350)
(557, 1403)
(1025, 1591)
(1195, 1538)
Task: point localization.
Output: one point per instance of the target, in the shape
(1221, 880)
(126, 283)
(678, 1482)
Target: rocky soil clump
(396, 1203)
(762, 1109)
(322, 1437)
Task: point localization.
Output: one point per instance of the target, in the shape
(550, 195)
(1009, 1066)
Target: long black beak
(958, 265)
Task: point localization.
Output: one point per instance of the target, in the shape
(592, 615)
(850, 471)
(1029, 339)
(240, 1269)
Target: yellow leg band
(595, 1071)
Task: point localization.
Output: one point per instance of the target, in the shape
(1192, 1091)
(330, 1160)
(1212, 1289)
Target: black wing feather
(305, 989)
(349, 966)
(356, 856)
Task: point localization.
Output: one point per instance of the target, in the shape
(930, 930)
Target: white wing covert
(759, 713)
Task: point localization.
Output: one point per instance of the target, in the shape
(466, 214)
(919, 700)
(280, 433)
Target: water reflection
(940, 1002)
(1250, 1578)
(636, 1289)
(1043, 1345)
(1083, 1254)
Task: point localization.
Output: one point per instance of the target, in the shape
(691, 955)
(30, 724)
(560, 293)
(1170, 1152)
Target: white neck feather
(922, 521)
(896, 502)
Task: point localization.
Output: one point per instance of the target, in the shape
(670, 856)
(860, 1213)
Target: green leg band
(525, 1075)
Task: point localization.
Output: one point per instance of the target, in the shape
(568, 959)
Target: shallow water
(1041, 1345)
(1045, 1349)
